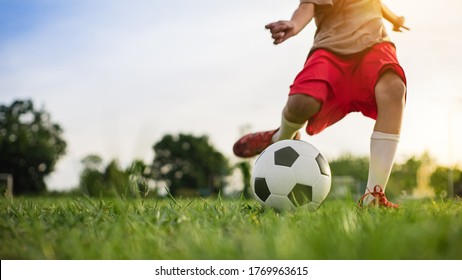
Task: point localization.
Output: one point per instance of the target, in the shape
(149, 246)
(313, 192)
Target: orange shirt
(348, 26)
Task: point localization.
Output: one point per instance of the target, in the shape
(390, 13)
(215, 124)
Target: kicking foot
(253, 144)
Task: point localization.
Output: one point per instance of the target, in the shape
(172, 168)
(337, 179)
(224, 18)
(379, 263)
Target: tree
(116, 179)
(109, 181)
(440, 181)
(91, 178)
(139, 176)
(189, 162)
(458, 187)
(350, 165)
(30, 146)
(245, 169)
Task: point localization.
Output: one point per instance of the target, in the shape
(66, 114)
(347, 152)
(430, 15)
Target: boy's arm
(283, 30)
(398, 22)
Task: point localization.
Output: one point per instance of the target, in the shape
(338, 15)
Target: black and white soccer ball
(290, 174)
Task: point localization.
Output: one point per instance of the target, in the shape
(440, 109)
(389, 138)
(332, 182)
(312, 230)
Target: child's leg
(390, 94)
(299, 108)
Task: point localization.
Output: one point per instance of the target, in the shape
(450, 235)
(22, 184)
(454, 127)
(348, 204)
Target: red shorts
(344, 84)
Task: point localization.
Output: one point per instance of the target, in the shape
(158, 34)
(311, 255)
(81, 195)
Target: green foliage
(440, 180)
(404, 177)
(98, 182)
(30, 145)
(244, 167)
(139, 175)
(91, 178)
(189, 162)
(92, 183)
(349, 175)
(116, 179)
(41, 228)
(349, 165)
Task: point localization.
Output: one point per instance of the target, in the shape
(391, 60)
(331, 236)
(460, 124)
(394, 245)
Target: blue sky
(118, 75)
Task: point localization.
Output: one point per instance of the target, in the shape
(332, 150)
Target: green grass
(81, 228)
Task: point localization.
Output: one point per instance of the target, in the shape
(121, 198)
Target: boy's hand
(281, 30)
(398, 24)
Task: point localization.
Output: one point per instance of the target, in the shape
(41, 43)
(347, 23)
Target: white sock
(382, 157)
(287, 130)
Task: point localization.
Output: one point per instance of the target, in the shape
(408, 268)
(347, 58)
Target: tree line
(183, 164)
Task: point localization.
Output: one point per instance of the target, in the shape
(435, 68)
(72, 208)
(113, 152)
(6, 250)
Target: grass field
(82, 228)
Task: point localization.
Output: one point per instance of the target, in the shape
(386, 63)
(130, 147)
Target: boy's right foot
(380, 200)
(253, 144)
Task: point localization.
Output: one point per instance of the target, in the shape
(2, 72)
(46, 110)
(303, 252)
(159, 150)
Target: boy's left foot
(380, 200)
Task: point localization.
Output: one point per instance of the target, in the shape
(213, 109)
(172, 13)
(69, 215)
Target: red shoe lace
(379, 198)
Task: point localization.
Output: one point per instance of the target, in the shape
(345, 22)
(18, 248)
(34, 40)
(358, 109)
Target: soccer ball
(290, 174)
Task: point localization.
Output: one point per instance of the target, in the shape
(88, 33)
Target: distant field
(81, 228)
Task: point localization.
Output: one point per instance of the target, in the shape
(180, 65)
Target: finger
(279, 40)
(398, 28)
(278, 28)
(282, 38)
(277, 36)
(270, 25)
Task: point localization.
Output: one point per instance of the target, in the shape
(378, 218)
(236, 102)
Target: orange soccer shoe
(253, 144)
(380, 199)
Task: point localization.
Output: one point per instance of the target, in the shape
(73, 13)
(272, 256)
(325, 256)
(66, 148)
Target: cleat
(380, 199)
(253, 144)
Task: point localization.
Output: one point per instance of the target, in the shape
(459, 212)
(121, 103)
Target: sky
(117, 75)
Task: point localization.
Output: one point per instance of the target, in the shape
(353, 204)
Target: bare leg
(390, 93)
(299, 108)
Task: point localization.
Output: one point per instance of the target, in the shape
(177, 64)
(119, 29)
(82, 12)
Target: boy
(352, 66)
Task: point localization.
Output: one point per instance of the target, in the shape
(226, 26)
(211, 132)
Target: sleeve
(318, 2)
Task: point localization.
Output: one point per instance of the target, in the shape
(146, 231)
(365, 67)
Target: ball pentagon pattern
(291, 174)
